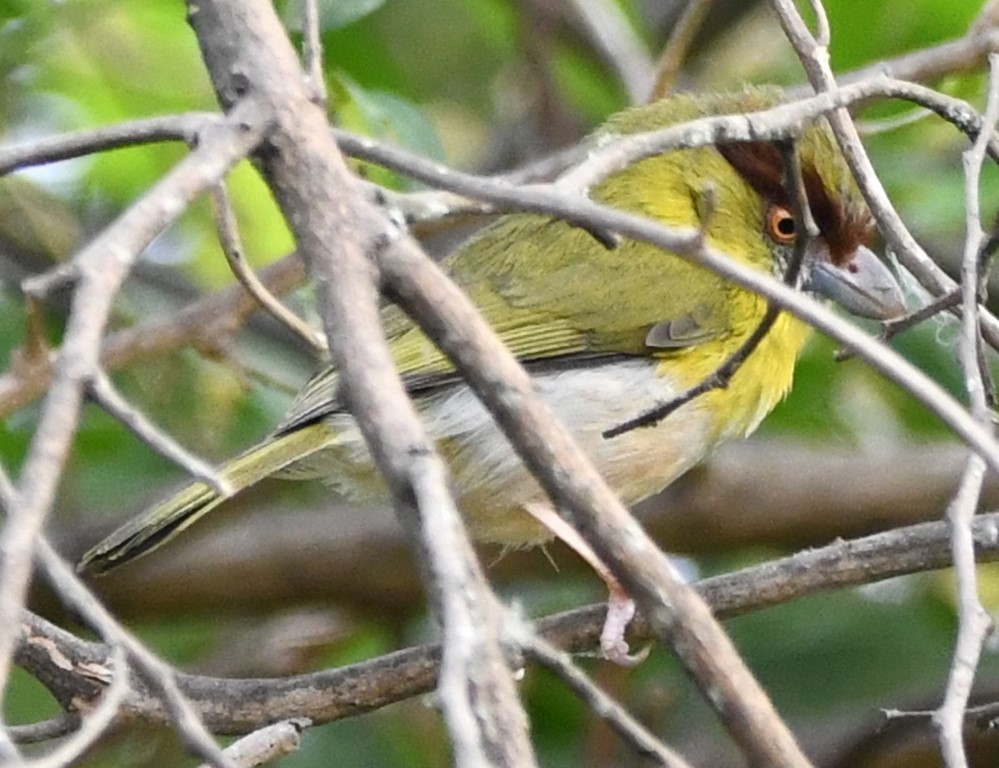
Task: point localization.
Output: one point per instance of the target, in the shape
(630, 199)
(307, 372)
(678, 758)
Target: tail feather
(162, 522)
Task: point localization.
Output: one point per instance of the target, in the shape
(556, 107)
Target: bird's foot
(620, 612)
(620, 607)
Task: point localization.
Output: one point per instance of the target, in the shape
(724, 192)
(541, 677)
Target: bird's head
(736, 193)
(838, 262)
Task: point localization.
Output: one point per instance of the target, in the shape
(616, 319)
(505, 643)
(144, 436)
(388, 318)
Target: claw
(620, 607)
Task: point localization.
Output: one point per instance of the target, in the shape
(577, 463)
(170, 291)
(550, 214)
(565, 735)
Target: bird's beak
(862, 285)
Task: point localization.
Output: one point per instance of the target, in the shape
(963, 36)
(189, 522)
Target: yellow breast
(761, 382)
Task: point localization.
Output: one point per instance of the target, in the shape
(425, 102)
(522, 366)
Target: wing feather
(556, 313)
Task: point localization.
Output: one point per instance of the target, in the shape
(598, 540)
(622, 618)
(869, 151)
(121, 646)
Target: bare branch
(974, 621)
(689, 248)
(102, 267)
(184, 128)
(234, 706)
(158, 674)
(93, 725)
(755, 495)
(423, 206)
(327, 213)
(46, 730)
(946, 302)
(822, 33)
(470, 617)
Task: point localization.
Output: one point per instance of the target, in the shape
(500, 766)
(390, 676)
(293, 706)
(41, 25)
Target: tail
(158, 525)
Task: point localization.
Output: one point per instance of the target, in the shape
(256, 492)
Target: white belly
(492, 483)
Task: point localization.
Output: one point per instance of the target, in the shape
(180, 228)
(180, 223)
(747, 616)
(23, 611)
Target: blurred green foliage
(455, 79)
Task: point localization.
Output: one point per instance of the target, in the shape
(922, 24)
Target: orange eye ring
(780, 225)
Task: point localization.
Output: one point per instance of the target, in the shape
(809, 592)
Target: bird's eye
(780, 224)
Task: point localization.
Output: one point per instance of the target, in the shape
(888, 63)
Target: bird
(606, 331)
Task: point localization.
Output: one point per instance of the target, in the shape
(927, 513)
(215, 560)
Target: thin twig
(232, 247)
(822, 32)
(55, 279)
(206, 324)
(717, 379)
(984, 716)
(611, 712)
(681, 38)
(104, 392)
(422, 206)
(890, 124)
(66, 146)
(891, 328)
(974, 621)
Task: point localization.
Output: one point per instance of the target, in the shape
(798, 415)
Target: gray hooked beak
(863, 286)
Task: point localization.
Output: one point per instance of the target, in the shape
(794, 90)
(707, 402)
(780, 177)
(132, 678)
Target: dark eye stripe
(843, 229)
